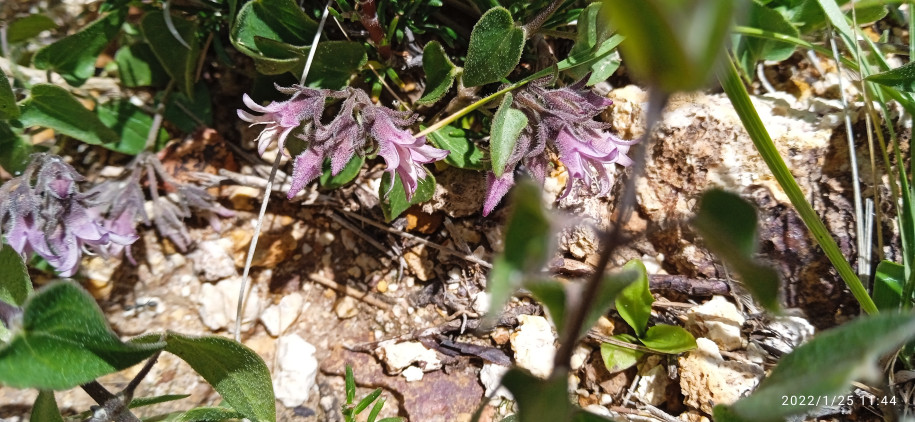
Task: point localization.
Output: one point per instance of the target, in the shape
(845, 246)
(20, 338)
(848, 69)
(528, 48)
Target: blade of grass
(737, 93)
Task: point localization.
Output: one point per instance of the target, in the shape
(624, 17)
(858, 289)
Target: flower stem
(538, 21)
(369, 17)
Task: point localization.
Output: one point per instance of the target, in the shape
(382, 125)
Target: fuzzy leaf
(277, 20)
(15, 284)
(177, 60)
(209, 414)
(187, 114)
(495, 48)
(634, 302)
(618, 358)
(506, 127)
(28, 27)
(552, 295)
(396, 202)
(132, 125)
(463, 152)
(728, 225)
(239, 375)
(824, 366)
(346, 175)
(334, 64)
(901, 78)
(673, 45)
(45, 408)
(74, 56)
(539, 400)
(64, 342)
(669, 339)
(14, 149)
(527, 245)
(440, 73)
(53, 107)
(592, 33)
(8, 107)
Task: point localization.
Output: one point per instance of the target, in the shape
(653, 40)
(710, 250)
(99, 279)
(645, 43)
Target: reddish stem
(369, 17)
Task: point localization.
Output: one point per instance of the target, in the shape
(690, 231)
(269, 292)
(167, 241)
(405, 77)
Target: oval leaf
(334, 64)
(239, 375)
(73, 57)
(28, 27)
(440, 73)
(463, 152)
(346, 175)
(53, 107)
(14, 149)
(750, 50)
(132, 125)
(64, 342)
(495, 48)
(8, 107)
(506, 127)
(727, 223)
(15, 284)
(824, 366)
(634, 302)
(138, 66)
(669, 339)
(619, 358)
(396, 202)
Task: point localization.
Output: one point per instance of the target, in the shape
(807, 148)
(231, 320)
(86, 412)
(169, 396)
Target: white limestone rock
(218, 304)
(717, 320)
(296, 370)
(212, 262)
(706, 379)
(534, 345)
(277, 318)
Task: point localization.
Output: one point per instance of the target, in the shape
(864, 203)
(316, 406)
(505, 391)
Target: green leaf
(528, 243)
(65, 342)
(132, 125)
(210, 414)
(366, 401)
(728, 225)
(824, 366)
(751, 50)
(149, 401)
(618, 358)
(45, 408)
(239, 375)
(901, 78)
(672, 45)
(346, 175)
(186, 114)
(463, 153)
(610, 289)
(334, 64)
(440, 73)
(376, 409)
(495, 48)
(14, 149)
(15, 284)
(669, 339)
(177, 60)
(539, 400)
(506, 127)
(53, 107)
(350, 385)
(138, 66)
(592, 33)
(277, 20)
(8, 107)
(26, 28)
(634, 302)
(888, 284)
(394, 200)
(74, 56)
(551, 294)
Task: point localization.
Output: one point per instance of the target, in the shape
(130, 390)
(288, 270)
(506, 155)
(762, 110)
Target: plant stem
(112, 405)
(538, 21)
(611, 238)
(369, 17)
(153, 133)
(737, 93)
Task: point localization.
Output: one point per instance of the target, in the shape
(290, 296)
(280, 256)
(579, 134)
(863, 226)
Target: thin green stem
(737, 93)
(775, 36)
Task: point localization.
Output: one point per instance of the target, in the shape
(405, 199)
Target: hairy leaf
(8, 107)
(396, 202)
(463, 152)
(346, 175)
(178, 61)
(495, 48)
(506, 127)
(440, 73)
(74, 56)
(15, 284)
(132, 125)
(53, 107)
(64, 342)
(28, 27)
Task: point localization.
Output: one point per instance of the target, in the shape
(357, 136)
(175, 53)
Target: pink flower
(587, 153)
(282, 118)
(403, 153)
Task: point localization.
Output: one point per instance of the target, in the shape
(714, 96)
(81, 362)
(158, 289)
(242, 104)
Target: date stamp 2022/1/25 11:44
(839, 400)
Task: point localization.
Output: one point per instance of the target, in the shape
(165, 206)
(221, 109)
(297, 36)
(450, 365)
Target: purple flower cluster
(347, 134)
(43, 211)
(562, 120)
